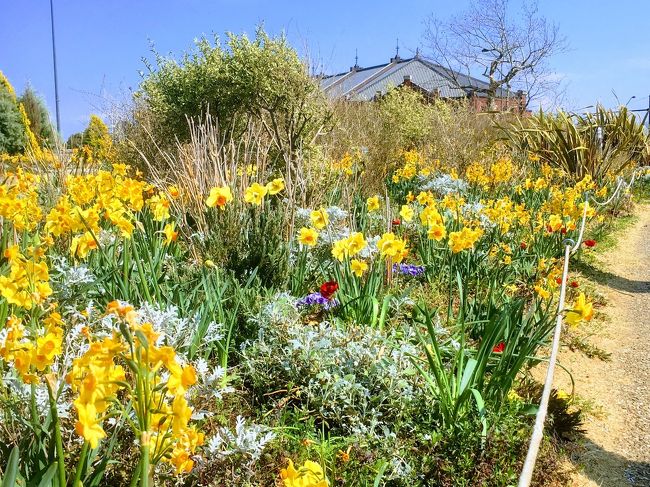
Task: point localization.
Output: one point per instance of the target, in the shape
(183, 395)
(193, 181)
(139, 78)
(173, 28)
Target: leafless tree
(511, 51)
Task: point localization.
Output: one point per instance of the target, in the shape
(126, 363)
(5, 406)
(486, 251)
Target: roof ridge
(380, 76)
(384, 69)
(368, 67)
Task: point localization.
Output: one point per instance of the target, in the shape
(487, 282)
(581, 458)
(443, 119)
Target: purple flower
(409, 269)
(317, 298)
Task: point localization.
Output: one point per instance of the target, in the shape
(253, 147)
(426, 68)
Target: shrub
(12, 130)
(357, 381)
(261, 78)
(39, 118)
(600, 144)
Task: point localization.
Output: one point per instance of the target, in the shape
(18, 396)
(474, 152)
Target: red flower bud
(558, 280)
(328, 289)
(523, 246)
(563, 230)
(574, 284)
(396, 222)
(499, 347)
(590, 243)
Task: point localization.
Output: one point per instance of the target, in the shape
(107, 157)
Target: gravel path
(617, 447)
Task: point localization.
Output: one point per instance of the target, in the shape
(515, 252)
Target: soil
(615, 393)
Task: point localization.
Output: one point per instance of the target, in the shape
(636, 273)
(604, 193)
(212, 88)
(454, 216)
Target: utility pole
(56, 81)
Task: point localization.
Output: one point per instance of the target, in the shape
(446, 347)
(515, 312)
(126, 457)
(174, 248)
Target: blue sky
(100, 43)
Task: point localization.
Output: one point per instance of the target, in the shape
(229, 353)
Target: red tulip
(574, 284)
(590, 243)
(523, 246)
(396, 222)
(499, 347)
(563, 231)
(558, 280)
(328, 289)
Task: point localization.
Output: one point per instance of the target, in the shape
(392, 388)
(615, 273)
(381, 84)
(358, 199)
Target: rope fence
(570, 247)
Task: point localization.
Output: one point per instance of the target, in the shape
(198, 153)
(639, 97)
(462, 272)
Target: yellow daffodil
(437, 232)
(373, 203)
(255, 194)
(170, 234)
(82, 245)
(319, 218)
(308, 236)
(309, 475)
(581, 311)
(391, 246)
(275, 186)
(358, 267)
(406, 213)
(465, 239)
(219, 196)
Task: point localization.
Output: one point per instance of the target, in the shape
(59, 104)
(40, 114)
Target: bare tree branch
(511, 52)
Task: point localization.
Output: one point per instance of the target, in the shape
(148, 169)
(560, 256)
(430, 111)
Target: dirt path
(617, 447)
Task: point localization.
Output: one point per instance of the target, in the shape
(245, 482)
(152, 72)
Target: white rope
(538, 429)
(540, 419)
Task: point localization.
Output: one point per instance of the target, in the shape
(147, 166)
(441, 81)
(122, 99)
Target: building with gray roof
(432, 80)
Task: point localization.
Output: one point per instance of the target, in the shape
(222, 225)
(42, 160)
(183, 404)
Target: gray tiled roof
(365, 83)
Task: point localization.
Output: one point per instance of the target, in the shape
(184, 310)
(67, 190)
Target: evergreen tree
(96, 137)
(76, 140)
(12, 130)
(39, 117)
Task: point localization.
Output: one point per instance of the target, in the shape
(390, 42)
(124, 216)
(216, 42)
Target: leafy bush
(12, 130)
(358, 381)
(600, 144)
(39, 118)
(261, 78)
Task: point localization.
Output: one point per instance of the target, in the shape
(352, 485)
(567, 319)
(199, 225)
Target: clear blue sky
(100, 43)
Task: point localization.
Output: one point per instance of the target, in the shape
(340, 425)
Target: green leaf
(383, 465)
(46, 480)
(11, 472)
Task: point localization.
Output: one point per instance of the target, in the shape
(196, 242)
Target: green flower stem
(60, 458)
(80, 465)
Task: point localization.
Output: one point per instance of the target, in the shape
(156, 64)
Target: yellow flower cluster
(27, 284)
(504, 213)
(499, 172)
(110, 197)
(412, 161)
(28, 354)
(220, 196)
(349, 247)
(464, 239)
(309, 475)
(161, 407)
(19, 200)
(390, 245)
(430, 217)
(347, 164)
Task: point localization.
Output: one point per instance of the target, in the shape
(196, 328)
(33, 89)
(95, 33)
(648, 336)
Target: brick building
(432, 80)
